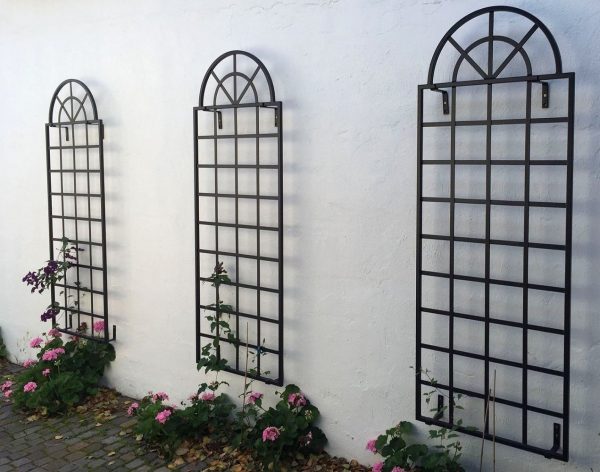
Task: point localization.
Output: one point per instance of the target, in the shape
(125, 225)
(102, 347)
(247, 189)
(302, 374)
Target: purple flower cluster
(32, 279)
(50, 313)
(51, 268)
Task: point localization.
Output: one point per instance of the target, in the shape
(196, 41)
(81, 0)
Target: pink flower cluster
(251, 399)
(36, 342)
(297, 400)
(29, 387)
(46, 372)
(159, 396)
(98, 326)
(5, 388)
(163, 416)
(207, 396)
(270, 433)
(132, 408)
(371, 446)
(54, 333)
(53, 354)
(378, 466)
(29, 362)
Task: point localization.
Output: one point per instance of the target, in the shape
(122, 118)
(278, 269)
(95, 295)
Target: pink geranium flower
(53, 354)
(132, 408)
(270, 433)
(7, 393)
(46, 372)
(207, 396)
(6, 385)
(163, 416)
(297, 399)
(398, 469)
(371, 446)
(251, 400)
(99, 326)
(29, 387)
(36, 342)
(29, 362)
(159, 396)
(54, 333)
(378, 467)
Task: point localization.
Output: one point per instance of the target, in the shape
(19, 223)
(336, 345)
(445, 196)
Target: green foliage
(397, 451)
(69, 379)
(295, 429)
(206, 414)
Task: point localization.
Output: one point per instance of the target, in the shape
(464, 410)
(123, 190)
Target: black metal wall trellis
(238, 83)
(489, 76)
(76, 211)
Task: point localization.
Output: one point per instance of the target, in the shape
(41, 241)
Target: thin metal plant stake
(485, 420)
(494, 426)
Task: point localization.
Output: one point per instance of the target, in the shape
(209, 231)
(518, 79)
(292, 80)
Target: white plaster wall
(347, 73)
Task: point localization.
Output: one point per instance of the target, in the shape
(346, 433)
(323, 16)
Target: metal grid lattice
(239, 212)
(76, 211)
(489, 77)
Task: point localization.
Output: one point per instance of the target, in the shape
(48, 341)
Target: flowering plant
(284, 430)
(62, 375)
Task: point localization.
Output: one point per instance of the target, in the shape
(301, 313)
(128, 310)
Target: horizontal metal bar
(82, 312)
(81, 218)
(497, 242)
(68, 123)
(251, 346)
(278, 381)
(240, 226)
(81, 289)
(509, 283)
(236, 195)
(499, 439)
(498, 80)
(235, 254)
(83, 171)
(495, 360)
(85, 266)
(498, 321)
(242, 314)
(87, 336)
(87, 243)
(213, 108)
(238, 166)
(66, 194)
(239, 136)
(504, 401)
(80, 146)
(483, 201)
(240, 285)
(509, 121)
(497, 162)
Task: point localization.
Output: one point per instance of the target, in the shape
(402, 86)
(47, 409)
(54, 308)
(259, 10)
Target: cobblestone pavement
(74, 442)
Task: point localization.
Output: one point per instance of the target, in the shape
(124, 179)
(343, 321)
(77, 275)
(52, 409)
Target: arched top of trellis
(72, 102)
(518, 44)
(235, 84)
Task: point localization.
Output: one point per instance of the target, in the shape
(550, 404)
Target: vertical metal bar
(451, 256)
(62, 213)
(258, 284)
(217, 294)
(419, 225)
(237, 229)
(197, 234)
(281, 287)
(76, 222)
(89, 208)
(568, 243)
(50, 212)
(525, 333)
(103, 228)
(488, 197)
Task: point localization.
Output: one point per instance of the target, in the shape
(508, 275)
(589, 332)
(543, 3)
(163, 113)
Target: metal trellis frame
(488, 76)
(238, 83)
(76, 209)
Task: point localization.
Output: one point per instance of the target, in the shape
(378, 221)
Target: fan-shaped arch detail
(77, 104)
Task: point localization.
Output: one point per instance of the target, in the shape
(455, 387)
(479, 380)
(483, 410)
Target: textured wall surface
(347, 72)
